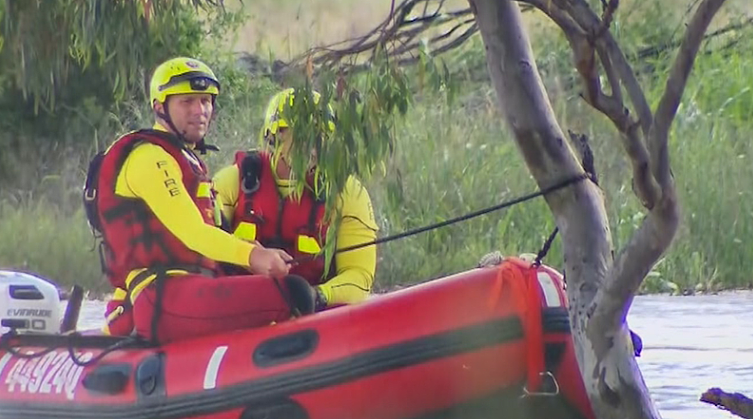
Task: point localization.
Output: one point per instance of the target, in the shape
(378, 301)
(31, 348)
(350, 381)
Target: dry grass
(286, 28)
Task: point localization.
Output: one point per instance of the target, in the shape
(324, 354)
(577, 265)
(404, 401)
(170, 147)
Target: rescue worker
(258, 205)
(151, 199)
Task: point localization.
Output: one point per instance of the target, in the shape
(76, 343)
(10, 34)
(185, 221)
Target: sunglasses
(199, 81)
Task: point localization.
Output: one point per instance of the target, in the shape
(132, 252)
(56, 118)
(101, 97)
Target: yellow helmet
(273, 118)
(182, 75)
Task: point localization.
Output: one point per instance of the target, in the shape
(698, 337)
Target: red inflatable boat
(489, 342)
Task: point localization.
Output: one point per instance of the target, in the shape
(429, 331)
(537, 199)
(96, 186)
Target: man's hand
(271, 262)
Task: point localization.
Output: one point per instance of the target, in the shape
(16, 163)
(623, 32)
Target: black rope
(545, 249)
(69, 338)
(4, 344)
(464, 217)
(114, 347)
(587, 160)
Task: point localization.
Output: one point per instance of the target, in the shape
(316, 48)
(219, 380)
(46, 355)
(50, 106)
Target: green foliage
(51, 45)
(39, 237)
(70, 88)
(350, 130)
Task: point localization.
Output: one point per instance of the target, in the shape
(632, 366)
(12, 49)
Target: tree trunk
(604, 352)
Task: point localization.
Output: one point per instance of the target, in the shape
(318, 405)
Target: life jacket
(132, 236)
(262, 214)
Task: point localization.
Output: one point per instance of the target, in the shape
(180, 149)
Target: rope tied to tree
(587, 160)
(560, 185)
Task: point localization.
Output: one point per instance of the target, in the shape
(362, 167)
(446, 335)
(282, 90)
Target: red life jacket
(262, 214)
(133, 237)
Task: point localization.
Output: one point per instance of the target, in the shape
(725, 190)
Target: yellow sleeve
(356, 268)
(152, 174)
(227, 185)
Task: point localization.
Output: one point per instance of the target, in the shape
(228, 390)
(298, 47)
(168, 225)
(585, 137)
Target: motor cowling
(28, 304)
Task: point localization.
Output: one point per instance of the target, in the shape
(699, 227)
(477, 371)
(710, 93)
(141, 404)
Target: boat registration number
(53, 373)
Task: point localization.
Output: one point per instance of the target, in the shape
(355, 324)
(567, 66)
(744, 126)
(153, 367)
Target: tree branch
(644, 186)
(565, 22)
(397, 25)
(635, 260)
(665, 112)
(397, 33)
(612, 77)
(606, 18)
(734, 403)
(580, 11)
(611, 106)
(657, 231)
(654, 51)
(408, 48)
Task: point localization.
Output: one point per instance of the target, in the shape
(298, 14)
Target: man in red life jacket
(258, 205)
(150, 197)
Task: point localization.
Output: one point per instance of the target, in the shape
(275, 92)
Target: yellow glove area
(356, 268)
(145, 174)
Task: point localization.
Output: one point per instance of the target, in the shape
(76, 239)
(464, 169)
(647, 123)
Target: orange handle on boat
(520, 278)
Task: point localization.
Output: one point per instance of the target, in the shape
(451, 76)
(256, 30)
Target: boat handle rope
(555, 392)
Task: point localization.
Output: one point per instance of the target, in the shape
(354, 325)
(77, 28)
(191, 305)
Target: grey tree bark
(601, 284)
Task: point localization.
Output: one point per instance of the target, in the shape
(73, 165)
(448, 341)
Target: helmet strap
(166, 117)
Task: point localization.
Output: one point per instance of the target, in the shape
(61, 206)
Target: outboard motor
(28, 304)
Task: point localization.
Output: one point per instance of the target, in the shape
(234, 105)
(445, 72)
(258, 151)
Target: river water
(690, 344)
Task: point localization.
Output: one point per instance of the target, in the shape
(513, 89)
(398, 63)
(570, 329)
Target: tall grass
(458, 157)
(452, 161)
